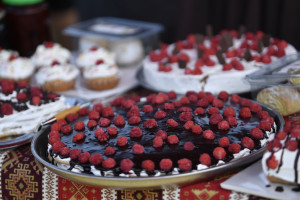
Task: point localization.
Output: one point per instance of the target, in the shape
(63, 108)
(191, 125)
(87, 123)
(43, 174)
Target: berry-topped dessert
(213, 63)
(159, 135)
(281, 161)
(22, 108)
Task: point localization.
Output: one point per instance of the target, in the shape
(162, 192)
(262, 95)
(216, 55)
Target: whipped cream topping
(100, 71)
(89, 57)
(44, 56)
(18, 68)
(5, 54)
(65, 72)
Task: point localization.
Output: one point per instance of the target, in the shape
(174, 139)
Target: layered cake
(159, 135)
(213, 63)
(22, 108)
(281, 161)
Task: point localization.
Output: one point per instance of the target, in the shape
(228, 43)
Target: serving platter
(39, 149)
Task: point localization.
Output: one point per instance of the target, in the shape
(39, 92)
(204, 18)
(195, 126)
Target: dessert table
(23, 177)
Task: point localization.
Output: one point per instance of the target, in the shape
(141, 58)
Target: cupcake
(17, 69)
(49, 52)
(89, 57)
(101, 76)
(57, 77)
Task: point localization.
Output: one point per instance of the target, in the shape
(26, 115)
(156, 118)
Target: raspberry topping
(6, 109)
(150, 123)
(136, 132)
(126, 165)
(166, 164)
(256, 133)
(109, 151)
(223, 125)
(173, 139)
(148, 165)
(248, 143)
(134, 120)
(78, 137)
(79, 126)
(119, 121)
(137, 149)
(172, 123)
(224, 142)
(109, 163)
(91, 124)
(147, 108)
(66, 130)
(122, 141)
(189, 146)
(234, 148)
(185, 116)
(112, 130)
(160, 114)
(96, 159)
(104, 122)
(215, 119)
(245, 113)
(161, 134)
(219, 153)
(197, 129)
(272, 163)
(107, 112)
(208, 134)
(213, 110)
(184, 164)
(205, 159)
(84, 157)
(158, 142)
(83, 111)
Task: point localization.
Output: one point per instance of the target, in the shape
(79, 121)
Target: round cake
(159, 135)
(212, 63)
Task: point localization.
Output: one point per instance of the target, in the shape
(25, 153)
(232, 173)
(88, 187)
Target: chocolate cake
(159, 135)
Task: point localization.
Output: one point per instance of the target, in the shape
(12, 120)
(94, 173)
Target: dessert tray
(39, 149)
(10, 142)
(258, 184)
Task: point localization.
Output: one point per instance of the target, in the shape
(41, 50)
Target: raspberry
(7, 86)
(173, 139)
(36, 100)
(228, 112)
(117, 101)
(274, 145)
(235, 99)
(215, 119)
(219, 153)
(185, 109)
(135, 98)
(184, 100)
(112, 130)
(199, 111)
(65, 151)
(223, 95)
(166, 164)
(84, 157)
(176, 104)
(245, 113)
(272, 163)
(232, 121)
(79, 126)
(48, 44)
(96, 159)
(245, 103)
(185, 116)
(53, 139)
(134, 120)
(157, 100)
(254, 107)
(224, 142)
(98, 132)
(203, 102)
(91, 124)
(213, 110)
(160, 114)
(62, 122)
(133, 112)
(52, 96)
(98, 107)
(54, 133)
(75, 153)
(56, 147)
(248, 143)
(291, 145)
(109, 151)
(55, 127)
(22, 84)
(266, 59)
(184, 164)
(234, 148)
(161, 134)
(281, 135)
(295, 133)
(256, 133)
(164, 96)
(126, 165)
(148, 165)
(264, 125)
(193, 98)
(78, 137)
(122, 141)
(83, 111)
(21, 96)
(196, 129)
(109, 163)
(107, 112)
(169, 106)
(208, 134)
(102, 137)
(150, 123)
(66, 130)
(201, 94)
(72, 117)
(172, 95)
(104, 122)
(6, 109)
(119, 121)
(204, 159)
(172, 123)
(157, 142)
(227, 67)
(150, 97)
(188, 125)
(218, 103)
(223, 125)
(147, 108)
(36, 91)
(262, 114)
(137, 149)
(269, 119)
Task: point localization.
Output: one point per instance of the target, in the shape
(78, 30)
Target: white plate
(252, 180)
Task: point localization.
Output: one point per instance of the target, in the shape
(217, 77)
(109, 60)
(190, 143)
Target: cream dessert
(49, 52)
(57, 77)
(23, 108)
(6, 54)
(212, 64)
(159, 135)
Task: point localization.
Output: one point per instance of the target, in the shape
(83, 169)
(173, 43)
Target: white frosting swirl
(5, 54)
(100, 71)
(18, 68)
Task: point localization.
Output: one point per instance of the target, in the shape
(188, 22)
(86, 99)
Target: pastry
(213, 63)
(57, 77)
(159, 135)
(284, 99)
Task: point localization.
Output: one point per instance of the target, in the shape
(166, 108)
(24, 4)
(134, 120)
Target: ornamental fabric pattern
(22, 177)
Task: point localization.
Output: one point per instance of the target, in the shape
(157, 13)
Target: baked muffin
(49, 52)
(57, 77)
